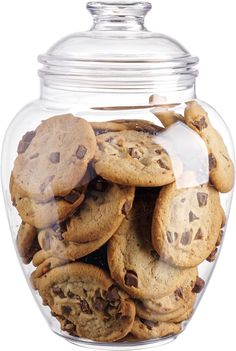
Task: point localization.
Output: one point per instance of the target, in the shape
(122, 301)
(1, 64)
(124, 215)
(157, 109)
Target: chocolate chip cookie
(87, 297)
(52, 242)
(125, 124)
(102, 212)
(132, 158)
(27, 242)
(133, 262)
(53, 159)
(168, 117)
(186, 224)
(146, 329)
(43, 214)
(221, 167)
(174, 301)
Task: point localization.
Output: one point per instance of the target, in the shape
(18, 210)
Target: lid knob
(119, 14)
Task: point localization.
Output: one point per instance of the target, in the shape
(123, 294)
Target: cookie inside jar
(119, 182)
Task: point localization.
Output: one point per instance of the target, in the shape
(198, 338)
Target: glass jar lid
(118, 47)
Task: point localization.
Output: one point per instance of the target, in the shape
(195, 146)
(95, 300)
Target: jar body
(149, 168)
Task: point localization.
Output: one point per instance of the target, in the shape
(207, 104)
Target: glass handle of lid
(118, 15)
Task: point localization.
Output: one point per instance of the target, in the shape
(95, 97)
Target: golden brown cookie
(54, 158)
(186, 224)
(87, 297)
(133, 262)
(220, 165)
(105, 207)
(132, 158)
(146, 329)
(27, 242)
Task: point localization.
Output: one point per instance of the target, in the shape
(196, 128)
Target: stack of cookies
(114, 242)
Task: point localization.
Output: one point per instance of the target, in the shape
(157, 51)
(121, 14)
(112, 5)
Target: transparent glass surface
(118, 183)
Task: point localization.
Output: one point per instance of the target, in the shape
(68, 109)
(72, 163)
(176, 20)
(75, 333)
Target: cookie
(56, 158)
(175, 316)
(168, 117)
(186, 224)
(27, 242)
(48, 264)
(175, 300)
(87, 297)
(52, 242)
(145, 329)
(42, 215)
(133, 262)
(102, 212)
(132, 158)
(126, 124)
(221, 167)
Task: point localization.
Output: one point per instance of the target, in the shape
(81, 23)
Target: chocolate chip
(22, 147)
(186, 238)
(46, 182)
(55, 157)
(212, 256)
(169, 237)
(192, 217)
(199, 235)
(113, 294)
(178, 294)
(149, 324)
(131, 279)
(201, 124)
(109, 140)
(57, 291)
(100, 304)
(202, 199)
(81, 152)
(126, 208)
(72, 197)
(155, 254)
(183, 200)
(162, 164)
(134, 153)
(66, 310)
(199, 285)
(212, 162)
(70, 294)
(28, 137)
(101, 131)
(85, 307)
(34, 156)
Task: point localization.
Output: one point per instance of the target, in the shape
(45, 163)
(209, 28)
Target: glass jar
(118, 183)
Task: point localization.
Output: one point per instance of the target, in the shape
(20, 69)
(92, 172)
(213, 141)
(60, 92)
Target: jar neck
(92, 97)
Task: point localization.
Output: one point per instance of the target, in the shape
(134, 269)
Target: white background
(207, 28)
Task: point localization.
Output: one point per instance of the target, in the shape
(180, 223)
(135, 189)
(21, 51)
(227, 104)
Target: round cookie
(48, 264)
(133, 262)
(118, 125)
(186, 224)
(176, 316)
(176, 299)
(105, 207)
(52, 242)
(55, 159)
(39, 257)
(132, 158)
(86, 296)
(42, 215)
(27, 242)
(145, 329)
(220, 165)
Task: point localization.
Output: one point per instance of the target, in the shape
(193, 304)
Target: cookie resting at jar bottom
(114, 242)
